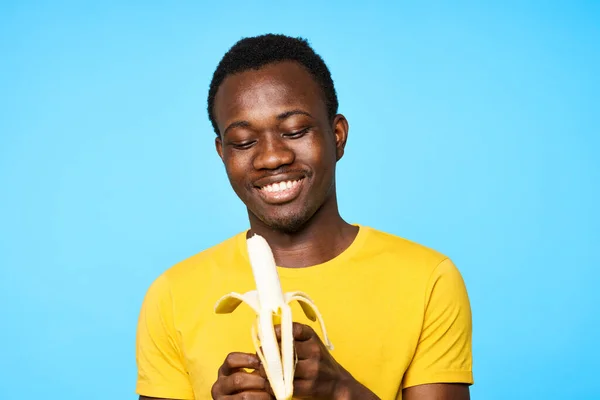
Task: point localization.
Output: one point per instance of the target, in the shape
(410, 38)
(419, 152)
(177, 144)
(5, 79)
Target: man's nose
(272, 154)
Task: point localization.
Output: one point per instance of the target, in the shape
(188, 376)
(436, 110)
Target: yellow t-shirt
(396, 312)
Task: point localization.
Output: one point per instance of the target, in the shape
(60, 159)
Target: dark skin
(274, 126)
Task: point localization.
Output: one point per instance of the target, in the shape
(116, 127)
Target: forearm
(354, 390)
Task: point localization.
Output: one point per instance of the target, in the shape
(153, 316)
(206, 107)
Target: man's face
(277, 143)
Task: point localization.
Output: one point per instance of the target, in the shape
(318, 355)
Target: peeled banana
(272, 307)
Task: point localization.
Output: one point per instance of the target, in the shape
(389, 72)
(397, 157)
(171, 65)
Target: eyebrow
(288, 114)
(236, 124)
(280, 117)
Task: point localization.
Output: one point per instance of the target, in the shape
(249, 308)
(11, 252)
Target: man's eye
(243, 145)
(297, 134)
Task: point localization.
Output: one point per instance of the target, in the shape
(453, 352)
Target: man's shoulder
(400, 247)
(220, 254)
(404, 262)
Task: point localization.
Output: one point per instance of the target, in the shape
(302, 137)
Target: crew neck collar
(333, 264)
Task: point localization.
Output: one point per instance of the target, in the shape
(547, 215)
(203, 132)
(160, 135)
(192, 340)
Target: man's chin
(287, 224)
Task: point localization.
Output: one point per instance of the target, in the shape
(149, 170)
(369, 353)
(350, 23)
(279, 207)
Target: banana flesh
(272, 307)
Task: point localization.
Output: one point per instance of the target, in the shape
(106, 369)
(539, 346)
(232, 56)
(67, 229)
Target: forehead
(267, 92)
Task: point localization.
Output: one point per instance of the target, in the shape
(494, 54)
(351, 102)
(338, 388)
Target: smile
(281, 192)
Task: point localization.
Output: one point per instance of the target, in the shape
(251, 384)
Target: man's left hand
(318, 375)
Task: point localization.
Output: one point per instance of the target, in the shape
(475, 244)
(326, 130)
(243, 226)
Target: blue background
(474, 129)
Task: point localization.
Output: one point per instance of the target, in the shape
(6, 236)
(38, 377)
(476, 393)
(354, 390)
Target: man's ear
(340, 130)
(219, 146)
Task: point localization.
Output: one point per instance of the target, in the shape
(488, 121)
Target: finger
(310, 350)
(300, 332)
(306, 370)
(261, 371)
(241, 382)
(306, 388)
(236, 361)
(248, 395)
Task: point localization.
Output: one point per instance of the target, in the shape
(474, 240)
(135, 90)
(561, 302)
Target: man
(397, 313)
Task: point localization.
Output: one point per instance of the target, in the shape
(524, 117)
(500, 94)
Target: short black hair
(258, 51)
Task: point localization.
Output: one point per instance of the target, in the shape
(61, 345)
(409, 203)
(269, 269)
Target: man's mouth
(281, 192)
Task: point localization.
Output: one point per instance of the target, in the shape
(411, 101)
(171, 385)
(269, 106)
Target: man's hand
(318, 375)
(234, 382)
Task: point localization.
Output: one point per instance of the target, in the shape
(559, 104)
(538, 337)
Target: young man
(397, 313)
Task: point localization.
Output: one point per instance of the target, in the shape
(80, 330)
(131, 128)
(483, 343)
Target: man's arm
(442, 364)
(437, 391)
(161, 369)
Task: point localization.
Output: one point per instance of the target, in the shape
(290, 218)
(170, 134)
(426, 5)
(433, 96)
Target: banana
(272, 306)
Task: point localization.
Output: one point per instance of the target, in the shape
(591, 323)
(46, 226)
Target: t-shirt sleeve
(161, 370)
(443, 353)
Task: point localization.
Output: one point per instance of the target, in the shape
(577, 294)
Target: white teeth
(279, 186)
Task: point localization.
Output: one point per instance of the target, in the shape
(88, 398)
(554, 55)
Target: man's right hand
(234, 382)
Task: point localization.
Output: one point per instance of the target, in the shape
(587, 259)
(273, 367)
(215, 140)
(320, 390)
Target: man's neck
(321, 239)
